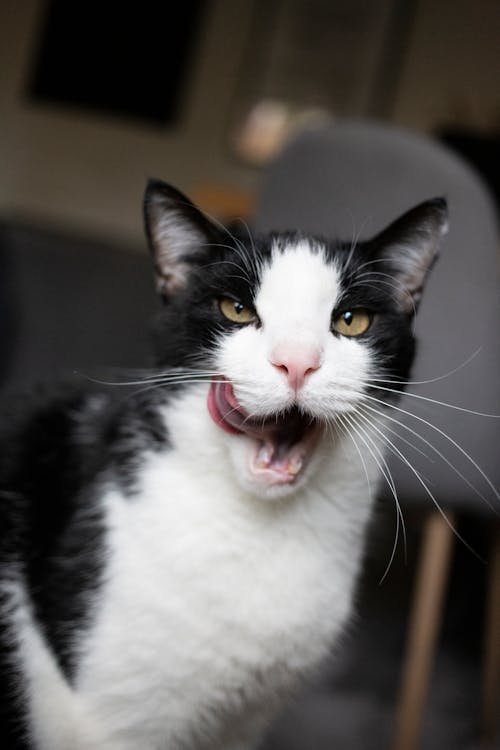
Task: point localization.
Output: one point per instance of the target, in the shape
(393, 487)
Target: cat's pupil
(238, 307)
(348, 318)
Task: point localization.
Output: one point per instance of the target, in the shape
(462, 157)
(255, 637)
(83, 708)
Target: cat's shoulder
(45, 415)
(67, 434)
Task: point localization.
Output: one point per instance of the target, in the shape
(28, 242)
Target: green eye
(352, 322)
(236, 311)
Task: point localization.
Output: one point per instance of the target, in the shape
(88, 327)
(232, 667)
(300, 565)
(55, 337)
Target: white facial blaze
(298, 293)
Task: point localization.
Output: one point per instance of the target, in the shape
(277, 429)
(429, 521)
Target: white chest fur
(216, 602)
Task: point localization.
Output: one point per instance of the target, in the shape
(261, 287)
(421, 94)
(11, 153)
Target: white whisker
(354, 243)
(160, 379)
(346, 431)
(436, 451)
(430, 380)
(395, 450)
(386, 473)
(393, 284)
(439, 403)
(444, 435)
(362, 407)
(254, 258)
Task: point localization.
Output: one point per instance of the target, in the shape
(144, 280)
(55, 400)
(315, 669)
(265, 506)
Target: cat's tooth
(294, 466)
(264, 456)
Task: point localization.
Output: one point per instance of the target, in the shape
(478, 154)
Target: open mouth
(284, 443)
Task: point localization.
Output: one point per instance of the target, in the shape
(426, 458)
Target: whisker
(436, 401)
(371, 262)
(362, 408)
(238, 247)
(398, 287)
(242, 266)
(257, 266)
(436, 451)
(386, 473)
(430, 380)
(394, 449)
(245, 278)
(346, 431)
(157, 380)
(350, 418)
(444, 435)
(354, 242)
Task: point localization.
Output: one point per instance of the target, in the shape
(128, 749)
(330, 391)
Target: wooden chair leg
(491, 684)
(423, 629)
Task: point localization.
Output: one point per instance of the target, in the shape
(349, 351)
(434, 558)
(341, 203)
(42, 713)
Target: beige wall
(88, 172)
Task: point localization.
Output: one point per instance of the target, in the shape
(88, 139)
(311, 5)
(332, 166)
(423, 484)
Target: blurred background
(95, 97)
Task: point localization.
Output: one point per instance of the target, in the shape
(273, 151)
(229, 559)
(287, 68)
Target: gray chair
(348, 180)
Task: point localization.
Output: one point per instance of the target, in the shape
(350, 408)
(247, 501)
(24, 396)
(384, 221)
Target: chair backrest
(350, 179)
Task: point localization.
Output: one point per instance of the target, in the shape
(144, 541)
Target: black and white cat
(174, 564)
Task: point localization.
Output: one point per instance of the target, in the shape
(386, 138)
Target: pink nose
(296, 364)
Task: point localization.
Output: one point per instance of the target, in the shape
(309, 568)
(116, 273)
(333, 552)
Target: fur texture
(175, 564)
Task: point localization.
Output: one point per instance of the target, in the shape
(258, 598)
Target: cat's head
(293, 331)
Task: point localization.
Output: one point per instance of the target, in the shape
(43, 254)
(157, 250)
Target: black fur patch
(54, 468)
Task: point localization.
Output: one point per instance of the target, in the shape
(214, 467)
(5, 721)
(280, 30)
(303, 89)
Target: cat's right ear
(177, 233)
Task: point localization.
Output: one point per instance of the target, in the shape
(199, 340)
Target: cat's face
(289, 331)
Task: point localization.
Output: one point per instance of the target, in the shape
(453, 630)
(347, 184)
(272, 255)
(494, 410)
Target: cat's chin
(272, 455)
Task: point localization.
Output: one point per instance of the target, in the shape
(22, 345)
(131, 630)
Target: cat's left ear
(409, 248)
(177, 232)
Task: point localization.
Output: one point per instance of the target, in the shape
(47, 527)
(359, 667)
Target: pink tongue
(228, 414)
(225, 409)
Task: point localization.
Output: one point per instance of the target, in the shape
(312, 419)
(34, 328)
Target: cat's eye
(236, 311)
(352, 322)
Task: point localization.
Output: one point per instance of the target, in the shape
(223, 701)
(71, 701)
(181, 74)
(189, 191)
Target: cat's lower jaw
(271, 469)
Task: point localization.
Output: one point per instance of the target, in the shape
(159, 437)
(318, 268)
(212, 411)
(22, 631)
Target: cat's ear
(177, 233)
(409, 247)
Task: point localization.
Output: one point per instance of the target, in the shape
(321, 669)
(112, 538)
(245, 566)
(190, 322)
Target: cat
(174, 564)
